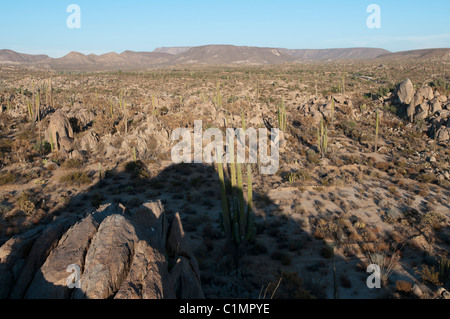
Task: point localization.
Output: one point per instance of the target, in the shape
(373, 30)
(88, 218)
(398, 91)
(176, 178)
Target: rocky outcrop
(440, 126)
(425, 104)
(120, 254)
(89, 142)
(60, 132)
(421, 103)
(13, 256)
(405, 92)
(80, 116)
(37, 256)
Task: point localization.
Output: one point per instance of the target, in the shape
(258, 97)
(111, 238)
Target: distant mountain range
(206, 55)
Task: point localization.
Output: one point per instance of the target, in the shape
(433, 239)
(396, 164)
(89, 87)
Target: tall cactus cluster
(322, 138)
(377, 128)
(237, 215)
(218, 99)
(281, 114)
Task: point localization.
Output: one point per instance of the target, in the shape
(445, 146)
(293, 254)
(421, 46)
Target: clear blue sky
(142, 25)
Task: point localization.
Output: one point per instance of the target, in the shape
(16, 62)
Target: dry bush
(25, 204)
(429, 275)
(289, 286)
(104, 124)
(73, 163)
(403, 286)
(7, 178)
(386, 261)
(76, 178)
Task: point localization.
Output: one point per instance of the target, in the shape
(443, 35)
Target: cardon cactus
(237, 215)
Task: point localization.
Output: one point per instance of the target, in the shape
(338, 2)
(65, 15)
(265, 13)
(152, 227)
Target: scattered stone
(443, 293)
(443, 134)
(416, 291)
(436, 106)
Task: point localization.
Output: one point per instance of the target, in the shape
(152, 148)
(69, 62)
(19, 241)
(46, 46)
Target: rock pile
(424, 103)
(120, 254)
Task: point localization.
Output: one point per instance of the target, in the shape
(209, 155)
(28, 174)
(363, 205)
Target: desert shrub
(209, 244)
(441, 85)
(96, 200)
(383, 166)
(383, 91)
(104, 124)
(4, 209)
(7, 178)
(303, 175)
(134, 202)
(432, 219)
(164, 110)
(42, 147)
(386, 263)
(76, 178)
(25, 204)
(5, 145)
(312, 157)
(444, 269)
(290, 286)
(133, 166)
(350, 129)
(139, 173)
(391, 109)
(26, 134)
(327, 252)
(345, 281)
(295, 245)
(429, 275)
(258, 248)
(263, 199)
(403, 286)
(351, 159)
(73, 163)
(117, 141)
(284, 258)
(427, 178)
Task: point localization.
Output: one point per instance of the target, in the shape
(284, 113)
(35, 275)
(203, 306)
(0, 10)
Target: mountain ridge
(207, 55)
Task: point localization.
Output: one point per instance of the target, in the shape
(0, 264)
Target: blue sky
(139, 25)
